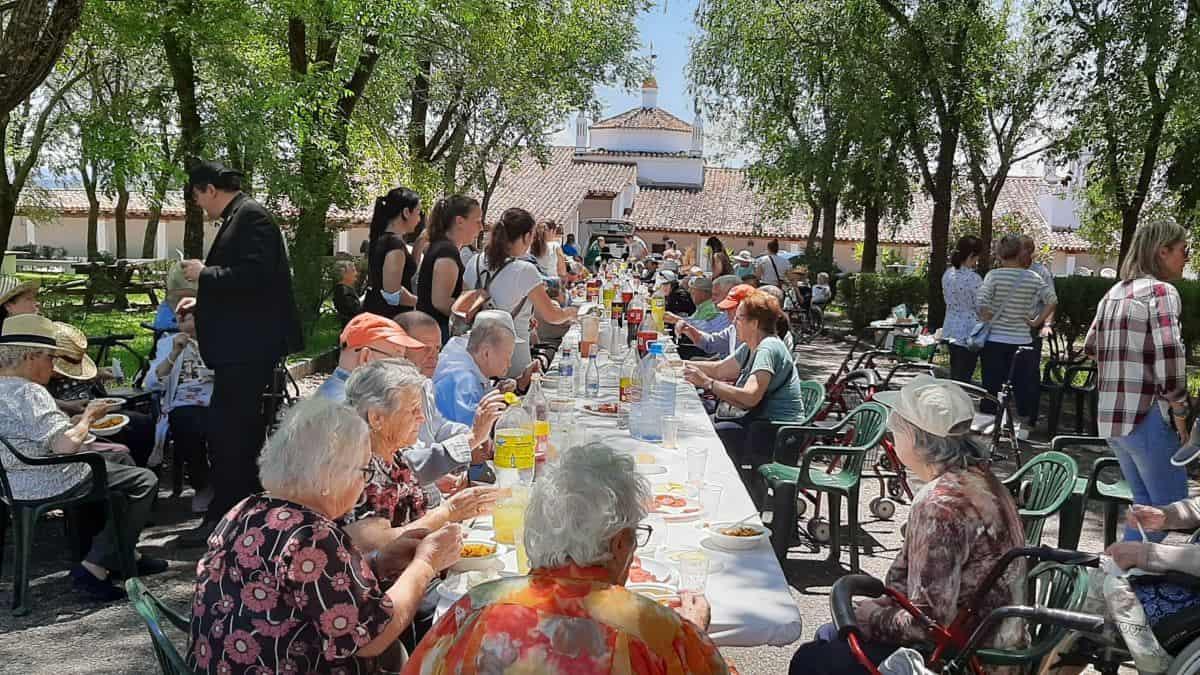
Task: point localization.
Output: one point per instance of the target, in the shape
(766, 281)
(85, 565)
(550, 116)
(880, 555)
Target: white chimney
(581, 132)
(698, 133)
(650, 93)
(1049, 171)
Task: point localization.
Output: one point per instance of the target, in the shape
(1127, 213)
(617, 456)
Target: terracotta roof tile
(554, 191)
(644, 118)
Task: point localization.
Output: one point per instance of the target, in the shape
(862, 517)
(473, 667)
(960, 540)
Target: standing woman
(960, 284)
(547, 250)
(719, 263)
(454, 222)
(1006, 298)
(390, 265)
(515, 285)
(1138, 346)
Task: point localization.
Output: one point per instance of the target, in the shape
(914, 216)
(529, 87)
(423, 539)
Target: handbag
(982, 329)
(728, 412)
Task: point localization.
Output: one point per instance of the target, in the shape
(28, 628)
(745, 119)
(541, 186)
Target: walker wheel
(801, 507)
(883, 508)
(818, 529)
(895, 488)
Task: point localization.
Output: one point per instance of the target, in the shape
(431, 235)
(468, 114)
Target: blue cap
(656, 347)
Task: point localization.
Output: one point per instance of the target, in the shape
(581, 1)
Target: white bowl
(663, 594)
(737, 543)
(109, 431)
(482, 563)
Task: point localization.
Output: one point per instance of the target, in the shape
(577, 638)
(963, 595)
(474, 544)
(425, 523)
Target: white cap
(937, 406)
(497, 317)
(664, 277)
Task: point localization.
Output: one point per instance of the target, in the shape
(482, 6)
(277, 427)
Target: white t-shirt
(766, 273)
(548, 262)
(512, 285)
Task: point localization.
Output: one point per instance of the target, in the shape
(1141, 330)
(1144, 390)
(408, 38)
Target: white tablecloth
(751, 604)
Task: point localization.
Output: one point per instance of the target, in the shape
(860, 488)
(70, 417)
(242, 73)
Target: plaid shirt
(1138, 346)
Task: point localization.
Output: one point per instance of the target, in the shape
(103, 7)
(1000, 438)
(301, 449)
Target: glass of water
(658, 535)
(710, 498)
(670, 432)
(693, 570)
(697, 462)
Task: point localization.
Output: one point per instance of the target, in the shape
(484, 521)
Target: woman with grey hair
(345, 295)
(961, 523)
(1006, 299)
(572, 613)
(389, 394)
(1138, 345)
(31, 421)
(283, 588)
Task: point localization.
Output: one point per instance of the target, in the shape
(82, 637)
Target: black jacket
(245, 310)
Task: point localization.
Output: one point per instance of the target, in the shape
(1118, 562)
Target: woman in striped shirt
(1007, 298)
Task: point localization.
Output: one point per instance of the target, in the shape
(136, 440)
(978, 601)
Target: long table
(751, 603)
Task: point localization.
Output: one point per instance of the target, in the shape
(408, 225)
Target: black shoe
(95, 588)
(147, 566)
(198, 537)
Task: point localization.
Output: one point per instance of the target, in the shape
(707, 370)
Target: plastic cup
(522, 556)
(693, 570)
(697, 463)
(670, 433)
(710, 498)
(658, 537)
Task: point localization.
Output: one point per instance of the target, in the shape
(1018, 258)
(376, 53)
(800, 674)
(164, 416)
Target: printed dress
(393, 492)
(564, 620)
(283, 590)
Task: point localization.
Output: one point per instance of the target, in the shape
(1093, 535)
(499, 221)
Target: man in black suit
(246, 321)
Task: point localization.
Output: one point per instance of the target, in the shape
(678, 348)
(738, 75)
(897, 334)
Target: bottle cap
(656, 347)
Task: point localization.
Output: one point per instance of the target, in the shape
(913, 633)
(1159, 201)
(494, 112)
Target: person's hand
(396, 555)
(1127, 554)
(452, 483)
(473, 501)
(178, 343)
(695, 608)
(192, 269)
(487, 411)
(534, 366)
(95, 410)
(696, 378)
(670, 317)
(506, 385)
(441, 548)
(1047, 331)
(690, 331)
(1150, 517)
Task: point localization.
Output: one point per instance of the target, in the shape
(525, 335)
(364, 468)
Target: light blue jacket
(458, 384)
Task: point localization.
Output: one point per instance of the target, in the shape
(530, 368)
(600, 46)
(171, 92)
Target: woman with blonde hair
(1137, 342)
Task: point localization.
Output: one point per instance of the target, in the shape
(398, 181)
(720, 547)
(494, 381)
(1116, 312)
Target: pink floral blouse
(282, 590)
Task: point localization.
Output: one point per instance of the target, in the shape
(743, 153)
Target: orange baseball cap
(367, 328)
(735, 296)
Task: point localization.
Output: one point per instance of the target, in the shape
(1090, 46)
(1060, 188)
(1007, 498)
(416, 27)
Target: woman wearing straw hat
(17, 296)
(33, 424)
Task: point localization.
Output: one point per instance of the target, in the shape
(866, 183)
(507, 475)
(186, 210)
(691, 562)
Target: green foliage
(869, 297)
(1078, 298)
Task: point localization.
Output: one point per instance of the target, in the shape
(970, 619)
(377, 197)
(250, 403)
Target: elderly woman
(757, 382)
(345, 293)
(572, 614)
(33, 424)
(283, 588)
(960, 524)
(389, 394)
(17, 297)
(1138, 345)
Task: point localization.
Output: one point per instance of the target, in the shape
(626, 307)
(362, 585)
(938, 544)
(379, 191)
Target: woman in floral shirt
(961, 523)
(960, 283)
(282, 588)
(390, 396)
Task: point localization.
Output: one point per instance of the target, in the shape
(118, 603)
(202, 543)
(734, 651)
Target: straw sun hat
(73, 362)
(30, 330)
(11, 287)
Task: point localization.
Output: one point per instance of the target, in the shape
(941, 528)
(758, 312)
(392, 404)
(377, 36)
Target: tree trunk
(986, 233)
(160, 193)
(191, 130)
(810, 246)
(93, 225)
(872, 214)
(119, 210)
(939, 234)
(8, 207)
(1129, 222)
(829, 204)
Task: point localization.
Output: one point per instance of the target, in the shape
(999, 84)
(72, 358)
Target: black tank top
(442, 248)
(377, 254)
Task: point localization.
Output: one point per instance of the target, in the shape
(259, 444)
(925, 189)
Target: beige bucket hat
(73, 362)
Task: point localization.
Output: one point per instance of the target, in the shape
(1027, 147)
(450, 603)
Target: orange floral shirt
(564, 620)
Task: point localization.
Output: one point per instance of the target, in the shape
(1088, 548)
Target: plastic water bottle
(515, 445)
(629, 367)
(658, 389)
(592, 378)
(566, 373)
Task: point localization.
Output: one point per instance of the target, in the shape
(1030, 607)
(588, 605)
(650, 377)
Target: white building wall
(670, 171)
(640, 140)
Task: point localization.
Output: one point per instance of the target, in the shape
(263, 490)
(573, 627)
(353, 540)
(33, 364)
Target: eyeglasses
(642, 534)
(377, 350)
(367, 473)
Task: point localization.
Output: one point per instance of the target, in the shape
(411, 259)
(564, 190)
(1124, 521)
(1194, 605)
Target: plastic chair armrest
(1060, 442)
(94, 460)
(806, 459)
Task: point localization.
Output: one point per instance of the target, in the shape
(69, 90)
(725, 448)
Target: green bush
(1079, 296)
(868, 297)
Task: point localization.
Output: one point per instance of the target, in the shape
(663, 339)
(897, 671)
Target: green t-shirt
(783, 391)
(705, 311)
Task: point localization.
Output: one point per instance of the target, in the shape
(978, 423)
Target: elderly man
(701, 291)
(572, 613)
(468, 364)
(365, 338)
(1040, 330)
(720, 343)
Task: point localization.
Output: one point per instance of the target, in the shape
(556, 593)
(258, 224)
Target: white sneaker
(201, 500)
(1021, 432)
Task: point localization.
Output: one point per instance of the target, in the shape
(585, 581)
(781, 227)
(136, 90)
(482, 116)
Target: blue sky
(669, 25)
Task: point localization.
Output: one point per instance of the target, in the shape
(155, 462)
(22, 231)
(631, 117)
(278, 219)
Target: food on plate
(477, 550)
(670, 501)
(740, 531)
(605, 408)
(107, 422)
(639, 574)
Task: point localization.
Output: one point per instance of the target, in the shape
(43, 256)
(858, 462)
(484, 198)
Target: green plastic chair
(1042, 486)
(1111, 493)
(1051, 585)
(152, 611)
(867, 423)
(812, 395)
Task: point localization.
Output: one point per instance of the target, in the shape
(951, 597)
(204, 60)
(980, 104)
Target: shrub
(1079, 296)
(868, 297)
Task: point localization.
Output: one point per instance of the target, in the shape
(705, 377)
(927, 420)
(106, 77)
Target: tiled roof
(554, 191)
(631, 153)
(74, 202)
(644, 118)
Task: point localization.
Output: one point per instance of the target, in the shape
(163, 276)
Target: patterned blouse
(959, 286)
(393, 492)
(30, 420)
(283, 590)
(960, 524)
(564, 620)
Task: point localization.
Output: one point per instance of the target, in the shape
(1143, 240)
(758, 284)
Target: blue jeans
(830, 655)
(1145, 456)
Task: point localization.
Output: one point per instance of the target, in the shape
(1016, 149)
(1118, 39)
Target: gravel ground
(64, 635)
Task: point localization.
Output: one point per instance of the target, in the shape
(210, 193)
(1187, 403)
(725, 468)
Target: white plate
(656, 592)
(651, 469)
(584, 408)
(90, 439)
(124, 420)
(114, 401)
(663, 572)
(715, 563)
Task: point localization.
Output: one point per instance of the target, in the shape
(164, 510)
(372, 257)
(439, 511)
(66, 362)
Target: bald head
(423, 328)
